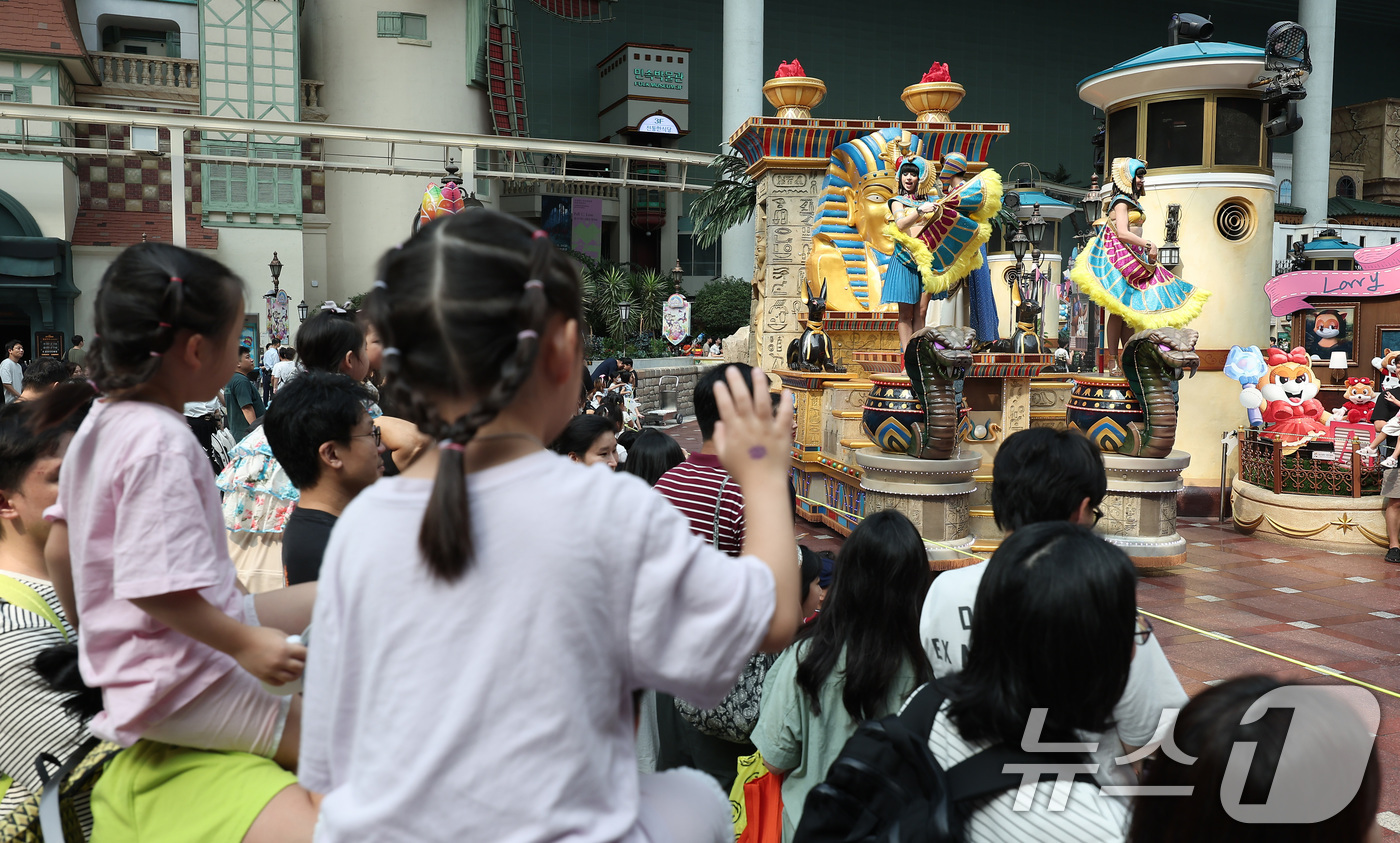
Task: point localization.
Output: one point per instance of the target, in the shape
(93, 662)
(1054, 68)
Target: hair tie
(155, 354)
(95, 388)
(379, 285)
(449, 445)
(164, 325)
(175, 279)
(527, 334)
(534, 284)
(389, 351)
(539, 234)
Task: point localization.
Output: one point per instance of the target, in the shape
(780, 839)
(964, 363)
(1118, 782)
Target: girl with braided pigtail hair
(497, 600)
(183, 656)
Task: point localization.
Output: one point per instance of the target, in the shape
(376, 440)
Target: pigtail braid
(446, 537)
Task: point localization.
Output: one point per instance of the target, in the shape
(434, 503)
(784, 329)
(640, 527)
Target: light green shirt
(792, 738)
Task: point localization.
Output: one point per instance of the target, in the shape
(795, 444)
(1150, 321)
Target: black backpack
(887, 787)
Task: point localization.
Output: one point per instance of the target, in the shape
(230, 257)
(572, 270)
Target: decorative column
(786, 204)
(1312, 144)
(742, 98)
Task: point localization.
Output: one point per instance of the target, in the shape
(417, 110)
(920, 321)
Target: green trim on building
(250, 68)
(1339, 207)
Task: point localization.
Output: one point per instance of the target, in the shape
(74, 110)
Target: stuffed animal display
(1361, 400)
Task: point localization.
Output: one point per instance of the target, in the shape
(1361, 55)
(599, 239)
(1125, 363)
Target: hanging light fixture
(302, 310)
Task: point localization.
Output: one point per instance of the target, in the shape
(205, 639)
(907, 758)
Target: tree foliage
(721, 307)
(726, 203)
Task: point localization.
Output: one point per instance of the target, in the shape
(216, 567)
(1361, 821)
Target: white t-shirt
(284, 371)
(271, 358)
(945, 629)
(500, 705)
(1088, 815)
(12, 374)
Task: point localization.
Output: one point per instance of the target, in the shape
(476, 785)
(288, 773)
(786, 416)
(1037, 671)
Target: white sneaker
(1389, 462)
(1367, 451)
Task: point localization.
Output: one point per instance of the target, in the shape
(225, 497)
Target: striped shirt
(694, 487)
(1087, 815)
(31, 717)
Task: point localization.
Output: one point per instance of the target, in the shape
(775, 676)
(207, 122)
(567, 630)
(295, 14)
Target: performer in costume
(981, 302)
(941, 241)
(903, 282)
(1118, 269)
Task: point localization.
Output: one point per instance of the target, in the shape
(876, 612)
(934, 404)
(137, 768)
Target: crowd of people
(501, 635)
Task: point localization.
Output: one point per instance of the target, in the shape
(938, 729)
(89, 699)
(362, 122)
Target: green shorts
(156, 792)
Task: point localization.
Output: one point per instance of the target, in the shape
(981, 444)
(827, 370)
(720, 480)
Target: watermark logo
(1319, 770)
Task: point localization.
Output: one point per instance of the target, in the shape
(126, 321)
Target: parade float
(1304, 474)
(916, 428)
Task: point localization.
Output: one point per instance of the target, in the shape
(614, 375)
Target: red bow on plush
(1358, 381)
(1277, 357)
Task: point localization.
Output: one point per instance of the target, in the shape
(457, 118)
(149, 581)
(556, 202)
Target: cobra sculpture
(1152, 361)
(937, 359)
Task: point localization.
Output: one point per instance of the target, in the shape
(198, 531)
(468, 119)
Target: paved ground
(1337, 612)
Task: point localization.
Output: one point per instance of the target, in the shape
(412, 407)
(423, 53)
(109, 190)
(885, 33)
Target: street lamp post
(275, 267)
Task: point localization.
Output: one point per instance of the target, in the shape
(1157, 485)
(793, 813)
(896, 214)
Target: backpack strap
(922, 708)
(981, 774)
(23, 596)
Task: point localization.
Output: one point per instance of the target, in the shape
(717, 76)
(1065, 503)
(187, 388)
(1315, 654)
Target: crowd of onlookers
(501, 640)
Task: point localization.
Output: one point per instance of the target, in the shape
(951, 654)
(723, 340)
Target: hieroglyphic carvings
(786, 202)
(1015, 405)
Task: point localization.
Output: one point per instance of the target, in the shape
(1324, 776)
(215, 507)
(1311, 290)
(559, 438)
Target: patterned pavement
(1337, 612)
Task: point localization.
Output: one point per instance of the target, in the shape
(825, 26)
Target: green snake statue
(1152, 361)
(937, 359)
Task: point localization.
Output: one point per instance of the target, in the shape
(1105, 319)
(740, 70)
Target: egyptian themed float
(850, 210)
(1310, 454)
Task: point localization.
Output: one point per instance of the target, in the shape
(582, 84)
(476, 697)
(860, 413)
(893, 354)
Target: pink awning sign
(1377, 274)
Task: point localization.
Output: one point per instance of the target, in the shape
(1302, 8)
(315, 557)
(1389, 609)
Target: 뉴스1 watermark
(1319, 771)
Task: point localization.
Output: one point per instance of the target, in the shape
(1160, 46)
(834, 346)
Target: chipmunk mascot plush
(1388, 364)
(1288, 395)
(1361, 400)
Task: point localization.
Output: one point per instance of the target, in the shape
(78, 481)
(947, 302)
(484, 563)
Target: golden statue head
(849, 247)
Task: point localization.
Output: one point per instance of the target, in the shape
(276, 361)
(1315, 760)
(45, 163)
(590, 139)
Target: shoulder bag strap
(50, 813)
(22, 596)
(719, 502)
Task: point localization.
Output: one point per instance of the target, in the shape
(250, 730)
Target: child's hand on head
(267, 654)
(753, 438)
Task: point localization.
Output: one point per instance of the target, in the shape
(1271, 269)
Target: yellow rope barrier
(1212, 635)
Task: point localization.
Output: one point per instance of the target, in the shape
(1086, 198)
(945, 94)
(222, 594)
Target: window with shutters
(231, 188)
(403, 25)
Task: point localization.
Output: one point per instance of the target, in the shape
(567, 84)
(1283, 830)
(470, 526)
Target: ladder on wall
(505, 77)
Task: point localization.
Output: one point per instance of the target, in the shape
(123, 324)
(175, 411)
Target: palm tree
(726, 203)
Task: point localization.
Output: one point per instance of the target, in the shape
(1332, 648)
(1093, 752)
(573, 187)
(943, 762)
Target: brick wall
(123, 196)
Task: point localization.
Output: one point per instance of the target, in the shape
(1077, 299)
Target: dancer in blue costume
(903, 283)
(1118, 269)
(981, 302)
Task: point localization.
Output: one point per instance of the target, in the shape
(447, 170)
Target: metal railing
(1267, 461)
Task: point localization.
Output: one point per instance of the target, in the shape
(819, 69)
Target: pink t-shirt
(143, 520)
